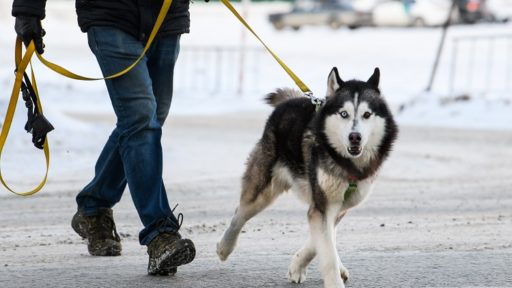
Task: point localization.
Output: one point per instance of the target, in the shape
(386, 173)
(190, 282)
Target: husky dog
(329, 156)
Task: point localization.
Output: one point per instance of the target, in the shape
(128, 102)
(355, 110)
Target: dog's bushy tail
(281, 95)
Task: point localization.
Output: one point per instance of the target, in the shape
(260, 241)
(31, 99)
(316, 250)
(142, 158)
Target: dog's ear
(374, 79)
(334, 82)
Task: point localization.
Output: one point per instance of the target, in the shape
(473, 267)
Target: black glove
(29, 28)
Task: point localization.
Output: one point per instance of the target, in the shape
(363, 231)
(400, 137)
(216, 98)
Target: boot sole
(113, 250)
(166, 264)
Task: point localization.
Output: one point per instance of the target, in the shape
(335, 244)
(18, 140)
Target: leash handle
(303, 87)
(22, 63)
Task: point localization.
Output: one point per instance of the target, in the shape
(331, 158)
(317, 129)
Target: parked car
(334, 13)
(430, 12)
(413, 13)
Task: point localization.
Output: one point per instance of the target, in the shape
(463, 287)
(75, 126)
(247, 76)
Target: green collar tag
(318, 106)
(352, 188)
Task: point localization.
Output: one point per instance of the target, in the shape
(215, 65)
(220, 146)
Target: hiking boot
(168, 251)
(100, 232)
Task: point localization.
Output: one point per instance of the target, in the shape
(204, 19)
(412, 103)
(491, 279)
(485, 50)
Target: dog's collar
(352, 179)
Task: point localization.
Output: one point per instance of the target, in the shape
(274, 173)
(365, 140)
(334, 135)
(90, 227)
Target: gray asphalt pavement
(441, 216)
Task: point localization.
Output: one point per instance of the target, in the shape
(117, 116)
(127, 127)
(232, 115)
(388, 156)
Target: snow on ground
(482, 114)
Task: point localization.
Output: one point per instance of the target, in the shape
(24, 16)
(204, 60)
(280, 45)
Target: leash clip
(314, 100)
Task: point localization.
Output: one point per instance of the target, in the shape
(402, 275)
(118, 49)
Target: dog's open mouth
(355, 150)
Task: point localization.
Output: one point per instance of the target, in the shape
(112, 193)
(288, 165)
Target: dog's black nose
(354, 138)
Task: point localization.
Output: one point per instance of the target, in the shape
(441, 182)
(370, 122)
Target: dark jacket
(135, 17)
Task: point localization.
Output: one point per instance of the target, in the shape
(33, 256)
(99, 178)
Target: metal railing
(214, 70)
(481, 65)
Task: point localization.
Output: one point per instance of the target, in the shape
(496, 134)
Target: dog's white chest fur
(335, 188)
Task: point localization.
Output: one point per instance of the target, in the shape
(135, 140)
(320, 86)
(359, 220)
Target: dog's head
(355, 119)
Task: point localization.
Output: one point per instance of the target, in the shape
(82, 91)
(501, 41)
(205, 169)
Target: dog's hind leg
(260, 187)
(245, 211)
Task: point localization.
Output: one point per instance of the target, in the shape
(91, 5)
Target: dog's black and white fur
(317, 154)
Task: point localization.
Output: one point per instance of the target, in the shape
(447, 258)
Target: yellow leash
(23, 62)
(303, 87)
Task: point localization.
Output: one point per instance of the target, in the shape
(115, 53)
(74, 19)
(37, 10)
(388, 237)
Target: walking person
(117, 32)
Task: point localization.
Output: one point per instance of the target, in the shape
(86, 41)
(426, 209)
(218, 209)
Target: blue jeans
(133, 153)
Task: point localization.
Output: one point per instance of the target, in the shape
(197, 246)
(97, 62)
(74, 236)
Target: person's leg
(114, 51)
(136, 139)
(109, 183)
(136, 142)
(94, 219)
(133, 151)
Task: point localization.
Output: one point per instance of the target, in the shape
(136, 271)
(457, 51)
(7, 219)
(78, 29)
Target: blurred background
(223, 69)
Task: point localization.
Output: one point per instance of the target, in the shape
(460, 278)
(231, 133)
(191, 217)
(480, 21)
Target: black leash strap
(36, 124)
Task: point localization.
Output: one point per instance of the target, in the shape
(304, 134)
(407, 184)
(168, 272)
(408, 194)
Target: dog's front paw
(223, 251)
(296, 274)
(345, 275)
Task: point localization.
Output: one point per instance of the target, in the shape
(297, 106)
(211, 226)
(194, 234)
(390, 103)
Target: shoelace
(164, 221)
(179, 218)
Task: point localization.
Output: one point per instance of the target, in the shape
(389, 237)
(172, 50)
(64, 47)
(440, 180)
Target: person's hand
(29, 28)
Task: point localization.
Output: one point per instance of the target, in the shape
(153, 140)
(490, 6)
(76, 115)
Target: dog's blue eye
(344, 114)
